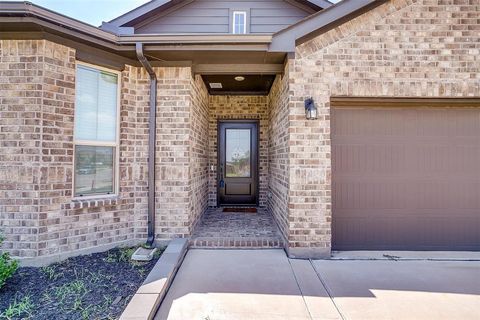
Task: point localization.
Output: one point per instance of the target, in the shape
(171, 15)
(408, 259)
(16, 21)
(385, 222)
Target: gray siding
(213, 16)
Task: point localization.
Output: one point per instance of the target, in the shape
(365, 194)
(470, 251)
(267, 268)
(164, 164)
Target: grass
(96, 308)
(71, 291)
(18, 309)
(70, 299)
(51, 273)
(70, 296)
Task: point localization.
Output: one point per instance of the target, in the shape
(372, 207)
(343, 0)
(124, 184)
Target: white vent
(215, 85)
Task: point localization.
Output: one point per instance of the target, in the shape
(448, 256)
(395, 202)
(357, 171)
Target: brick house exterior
(397, 48)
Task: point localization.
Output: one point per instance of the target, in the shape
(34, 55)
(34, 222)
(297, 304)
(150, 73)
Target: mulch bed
(96, 286)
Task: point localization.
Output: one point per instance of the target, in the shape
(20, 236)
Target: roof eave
(283, 41)
(28, 9)
(137, 12)
(195, 39)
(20, 12)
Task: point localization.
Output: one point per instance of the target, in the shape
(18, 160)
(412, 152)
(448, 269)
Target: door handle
(221, 182)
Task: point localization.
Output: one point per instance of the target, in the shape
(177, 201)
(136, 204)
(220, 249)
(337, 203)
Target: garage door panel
(468, 123)
(384, 233)
(364, 157)
(380, 196)
(390, 193)
(406, 178)
(396, 157)
(466, 198)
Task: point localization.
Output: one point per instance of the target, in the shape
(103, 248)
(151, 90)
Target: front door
(237, 162)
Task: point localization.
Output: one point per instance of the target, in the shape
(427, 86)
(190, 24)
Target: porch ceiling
(215, 55)
(253, 84)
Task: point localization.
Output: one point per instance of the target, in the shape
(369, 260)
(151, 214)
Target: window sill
(92, 202)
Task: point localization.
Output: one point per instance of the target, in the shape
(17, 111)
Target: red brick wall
(199, 157)
(67, 225)
(278, 151)
(21, 94)
(409, 48)
(38, 215)
(43, 220)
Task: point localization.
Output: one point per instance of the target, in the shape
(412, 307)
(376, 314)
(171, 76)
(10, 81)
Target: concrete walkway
(265, 284)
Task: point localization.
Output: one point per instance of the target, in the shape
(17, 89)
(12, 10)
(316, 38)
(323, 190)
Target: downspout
(151, 143)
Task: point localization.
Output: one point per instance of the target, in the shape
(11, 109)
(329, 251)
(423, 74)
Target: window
(239, 22)
(237, 153)
(96, 131)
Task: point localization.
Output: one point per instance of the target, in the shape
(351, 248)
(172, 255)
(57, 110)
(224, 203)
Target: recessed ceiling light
(239, 78)
(215, 85)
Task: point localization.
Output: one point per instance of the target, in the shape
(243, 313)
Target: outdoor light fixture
(310, 109)
(239, 78)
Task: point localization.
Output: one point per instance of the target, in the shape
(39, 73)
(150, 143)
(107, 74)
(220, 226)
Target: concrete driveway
(265, 284)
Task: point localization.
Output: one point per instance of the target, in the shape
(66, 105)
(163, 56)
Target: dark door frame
(257, 161)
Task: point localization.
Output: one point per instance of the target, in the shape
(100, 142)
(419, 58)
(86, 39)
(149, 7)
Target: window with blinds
(96, 131)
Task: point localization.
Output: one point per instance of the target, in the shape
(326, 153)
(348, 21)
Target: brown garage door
(405, 176)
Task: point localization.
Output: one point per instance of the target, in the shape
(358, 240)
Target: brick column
(309, 195)
(21, 84)
(299, 168)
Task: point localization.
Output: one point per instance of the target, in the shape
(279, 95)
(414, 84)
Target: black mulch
(96, 286)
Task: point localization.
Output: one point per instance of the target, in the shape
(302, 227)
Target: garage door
(406, 174)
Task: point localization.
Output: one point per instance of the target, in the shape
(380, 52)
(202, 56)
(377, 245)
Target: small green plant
(97, 277)
(8, 266)
(71, 291)
(18, 309)
(46, 298)
(111, 257)
(88, 311)
(50, 272)
(142, 272)
(126, 254)
(120, 255)
(159, 252)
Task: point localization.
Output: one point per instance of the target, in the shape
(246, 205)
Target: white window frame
(234, 20)
(94, 143)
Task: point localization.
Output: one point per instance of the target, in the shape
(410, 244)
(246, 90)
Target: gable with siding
(215, 16)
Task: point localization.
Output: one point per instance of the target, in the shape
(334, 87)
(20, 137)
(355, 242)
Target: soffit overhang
(23, 20)
(28, 21)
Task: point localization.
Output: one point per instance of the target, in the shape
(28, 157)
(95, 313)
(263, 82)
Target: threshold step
(236, 243)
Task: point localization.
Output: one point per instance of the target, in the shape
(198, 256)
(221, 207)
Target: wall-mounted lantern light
(310, 109)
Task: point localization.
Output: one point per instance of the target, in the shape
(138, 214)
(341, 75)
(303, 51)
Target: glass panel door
(238, 152)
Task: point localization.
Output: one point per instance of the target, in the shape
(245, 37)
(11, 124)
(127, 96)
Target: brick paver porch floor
(218, 229)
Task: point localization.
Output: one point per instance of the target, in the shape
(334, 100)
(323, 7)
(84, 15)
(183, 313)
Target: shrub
(7, 266)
